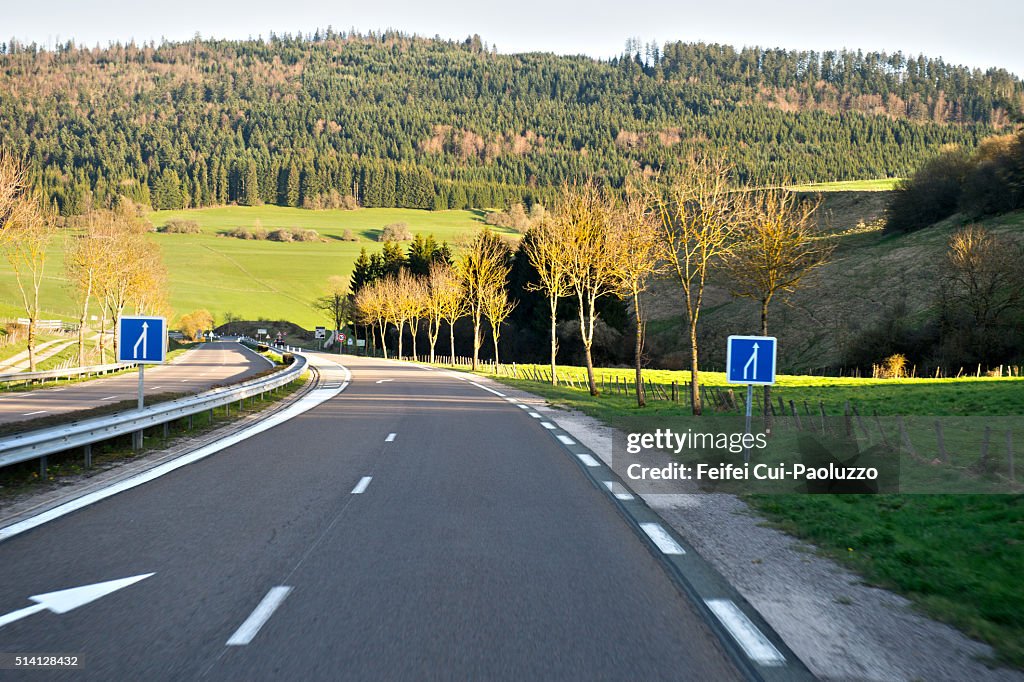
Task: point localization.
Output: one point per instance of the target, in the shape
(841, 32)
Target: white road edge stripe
(535, 415)
(29, 414)
(258, 618)
(363, 484)
(665, 542)
(548, 425)
(304, 404)
(390, 438)
(754, 643)
(590, 462)
(566, 440)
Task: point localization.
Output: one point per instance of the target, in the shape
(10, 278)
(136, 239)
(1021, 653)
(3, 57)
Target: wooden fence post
(1009, 453)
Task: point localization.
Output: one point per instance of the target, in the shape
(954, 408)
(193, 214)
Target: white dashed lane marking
(29, 414)
(391, 437)
(363, 484)
(258, 618)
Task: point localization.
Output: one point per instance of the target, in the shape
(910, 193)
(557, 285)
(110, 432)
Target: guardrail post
(42, 468)
(167, 430)
(88, 455)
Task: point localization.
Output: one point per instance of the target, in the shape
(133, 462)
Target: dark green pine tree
(166, 191)
(250, 190)
(292, 196)
(362, 272)
(422, 252)
(392, 259)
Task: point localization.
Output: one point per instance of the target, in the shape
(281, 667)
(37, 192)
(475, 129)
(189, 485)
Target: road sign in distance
(321, 333)
(750, 360)
(141, 339)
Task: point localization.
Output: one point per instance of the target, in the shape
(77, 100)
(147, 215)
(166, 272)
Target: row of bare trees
(598, 243)
(475, 286)
(108, 259)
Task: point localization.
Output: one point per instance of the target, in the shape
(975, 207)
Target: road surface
(413, 527)
(211, 364)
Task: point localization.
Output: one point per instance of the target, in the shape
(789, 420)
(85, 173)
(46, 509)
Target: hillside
(393, 120)
(255, 279)
(873, 279)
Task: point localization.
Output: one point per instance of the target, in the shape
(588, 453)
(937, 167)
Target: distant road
(196, 370)
(414, 527)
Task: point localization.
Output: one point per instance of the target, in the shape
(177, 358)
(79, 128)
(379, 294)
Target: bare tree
(585, 218)
(497, 308)
(335, 303)
(371, 305)
(983, 274)
(640, 254)
(546, 253)
(27, 234)
(83, 265)
(699, 214)
(776, 248)
(13, 185)
(444, 302)
(483, 267)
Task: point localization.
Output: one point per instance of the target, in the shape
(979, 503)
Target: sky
(981, 34)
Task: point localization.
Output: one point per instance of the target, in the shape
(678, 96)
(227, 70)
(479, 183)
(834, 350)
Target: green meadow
(877, 185)
(255, 279)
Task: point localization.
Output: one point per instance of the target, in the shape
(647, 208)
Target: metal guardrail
(29, 377)
(47, 441)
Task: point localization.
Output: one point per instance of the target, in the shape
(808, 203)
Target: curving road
(413, 527)
(211, 364)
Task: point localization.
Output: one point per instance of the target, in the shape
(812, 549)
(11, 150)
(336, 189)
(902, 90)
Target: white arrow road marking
(63, 601)
(753, 359)
(260, 615)
(383, 381)
(363, 484)
(754, 644)
(142, 340)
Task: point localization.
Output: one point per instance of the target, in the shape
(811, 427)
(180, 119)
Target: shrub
(306, 236)
(181, 226)
(281, 236)
(893, 367)
(330, 199)
(395, 232)
(257, 233)
(349, 236)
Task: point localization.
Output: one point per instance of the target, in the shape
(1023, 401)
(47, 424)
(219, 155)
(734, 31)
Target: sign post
(320, 335)
(750, 360)
(142, 340)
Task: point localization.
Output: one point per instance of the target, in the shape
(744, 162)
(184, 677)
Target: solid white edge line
(363, 484)
(29, 414)
(754, 643)
(660, 537)
(390, 438)
(589, 461)
(303, 404)
(548, 425)
(566, 440)
(260, 615)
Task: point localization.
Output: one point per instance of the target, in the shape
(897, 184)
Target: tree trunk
(81, 340)
(641, 398)
(383, 341)
(433, 331)
(476, 341)
(401, 331)
(31, 344)
(694, 375)
(766, 403)
(451, 339)
(413, 328)
(494, 334)
(554, 341)
(588, 340)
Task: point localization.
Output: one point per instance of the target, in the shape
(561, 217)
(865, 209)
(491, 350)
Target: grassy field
(957, 557)
(255, 279)
(879, 185)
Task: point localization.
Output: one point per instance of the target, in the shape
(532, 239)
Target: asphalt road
(196, 370)
(476, 550)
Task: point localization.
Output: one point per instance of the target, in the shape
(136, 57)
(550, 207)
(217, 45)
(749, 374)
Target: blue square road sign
(141, 339)
(750, 360)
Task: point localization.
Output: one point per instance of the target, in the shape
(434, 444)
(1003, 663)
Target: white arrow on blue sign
(141, 339)
(750, 360)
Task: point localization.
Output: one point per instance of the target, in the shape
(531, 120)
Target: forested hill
(399, 121)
